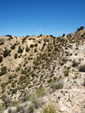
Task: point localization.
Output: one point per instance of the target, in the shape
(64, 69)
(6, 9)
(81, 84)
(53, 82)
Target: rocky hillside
(43, 74)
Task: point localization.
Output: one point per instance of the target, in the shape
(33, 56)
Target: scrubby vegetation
(49, 109)
(20, 50)
(41, 68)
(3, 70)
(82, 68)
(6, 52)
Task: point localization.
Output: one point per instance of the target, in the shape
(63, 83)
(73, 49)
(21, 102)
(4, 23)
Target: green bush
(74, 64)
(13, 46)
(3, 97)
(17, 69)
(10, 37)
(36, 62)
(27, 49)
(13, 85)
(81, 28)
(3, 70)
(35, 50)
(23, 40)
(15, 56)
(1, 59)
(66, 72)
(20, 50)
(82, 68)
(63, 35)
(6, 52)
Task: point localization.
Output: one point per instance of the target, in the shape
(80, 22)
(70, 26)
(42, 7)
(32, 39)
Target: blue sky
(34, 17)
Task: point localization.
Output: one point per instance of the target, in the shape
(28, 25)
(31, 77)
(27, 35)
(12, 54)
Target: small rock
(62, 107)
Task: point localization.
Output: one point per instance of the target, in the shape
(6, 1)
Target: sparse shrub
(43, 56)
(64, 60)
(52, 36)
(27, 36)
(3, 97)
(56, 49)
(49, 80)
(14, 90)
(36, 62)
(27, 49)
(31, 108)
(66, 72)
(15, 103)
(24, 72)
(3, 85)
(49, 109)
(74, 63)
(81, 28)
(13, 46)
(54, 78)
(21, 78)
(44, 44)
(3, 70)
(82, 68)
(63, 35)
(1, 59)
(31, 45)
(13, 85)
(12, 76)
(35, 50)
(23, 40)
(40, 35)
(33, 74)
(17, 69)
(20, 50)
(58, 85)
(10, 37)
(40, 91)
(6, 52)
(16, 55)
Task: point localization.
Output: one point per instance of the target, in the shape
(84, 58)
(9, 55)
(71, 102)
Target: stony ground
(47, 73)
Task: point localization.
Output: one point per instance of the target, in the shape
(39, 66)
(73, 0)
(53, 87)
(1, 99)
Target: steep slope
(43, 69)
